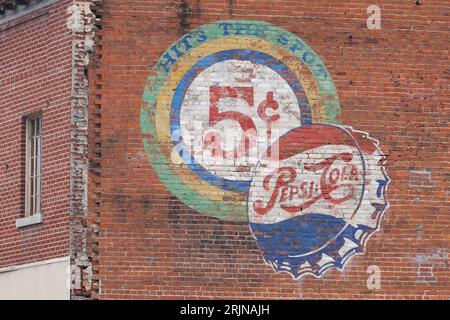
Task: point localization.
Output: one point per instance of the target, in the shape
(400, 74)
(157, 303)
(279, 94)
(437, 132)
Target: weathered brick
(392, 83)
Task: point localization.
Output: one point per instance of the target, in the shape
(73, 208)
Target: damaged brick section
(83, 22)
(427, 264)
(94, 182)
(421, 178)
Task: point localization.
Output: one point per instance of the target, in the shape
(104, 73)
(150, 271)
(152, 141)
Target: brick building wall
(391, 82)
(159, 227)
(35, 78)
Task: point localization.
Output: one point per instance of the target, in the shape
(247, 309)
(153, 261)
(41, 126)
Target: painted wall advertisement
(240, 124)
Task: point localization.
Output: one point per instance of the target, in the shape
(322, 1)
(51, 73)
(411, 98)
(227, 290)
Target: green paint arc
(213, 31)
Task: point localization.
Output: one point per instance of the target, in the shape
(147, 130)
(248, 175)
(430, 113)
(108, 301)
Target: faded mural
(240, 124)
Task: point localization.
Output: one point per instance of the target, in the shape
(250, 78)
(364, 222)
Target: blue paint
(379, 207)
(292, 242)
(381, 184)
(298, 235)
(191, 74)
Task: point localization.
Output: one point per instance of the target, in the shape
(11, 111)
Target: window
(33, 145)
(33, 163)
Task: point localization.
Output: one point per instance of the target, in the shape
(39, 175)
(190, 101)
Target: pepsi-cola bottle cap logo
(315, 198)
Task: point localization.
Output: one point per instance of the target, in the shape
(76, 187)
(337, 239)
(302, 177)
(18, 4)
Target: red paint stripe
(309, 137)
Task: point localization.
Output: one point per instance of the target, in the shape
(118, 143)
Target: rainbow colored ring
(162, 95)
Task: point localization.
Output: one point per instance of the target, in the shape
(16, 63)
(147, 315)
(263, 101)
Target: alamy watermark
(374, 19)
(374, 279)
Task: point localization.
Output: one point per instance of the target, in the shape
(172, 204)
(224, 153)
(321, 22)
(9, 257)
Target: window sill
(28, 221)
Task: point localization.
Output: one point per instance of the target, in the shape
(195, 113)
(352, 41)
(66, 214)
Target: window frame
(33, 171)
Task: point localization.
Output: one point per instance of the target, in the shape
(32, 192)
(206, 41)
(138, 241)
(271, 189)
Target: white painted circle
(195, 115)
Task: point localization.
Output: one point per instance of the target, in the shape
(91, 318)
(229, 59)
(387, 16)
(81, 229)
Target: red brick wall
(392, 83)
(36, 74)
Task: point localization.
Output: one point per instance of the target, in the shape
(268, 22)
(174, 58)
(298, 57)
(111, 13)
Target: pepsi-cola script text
(310, 191)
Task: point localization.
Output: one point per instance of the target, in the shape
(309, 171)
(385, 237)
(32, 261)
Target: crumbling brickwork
(84, 24)
(94, 151)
